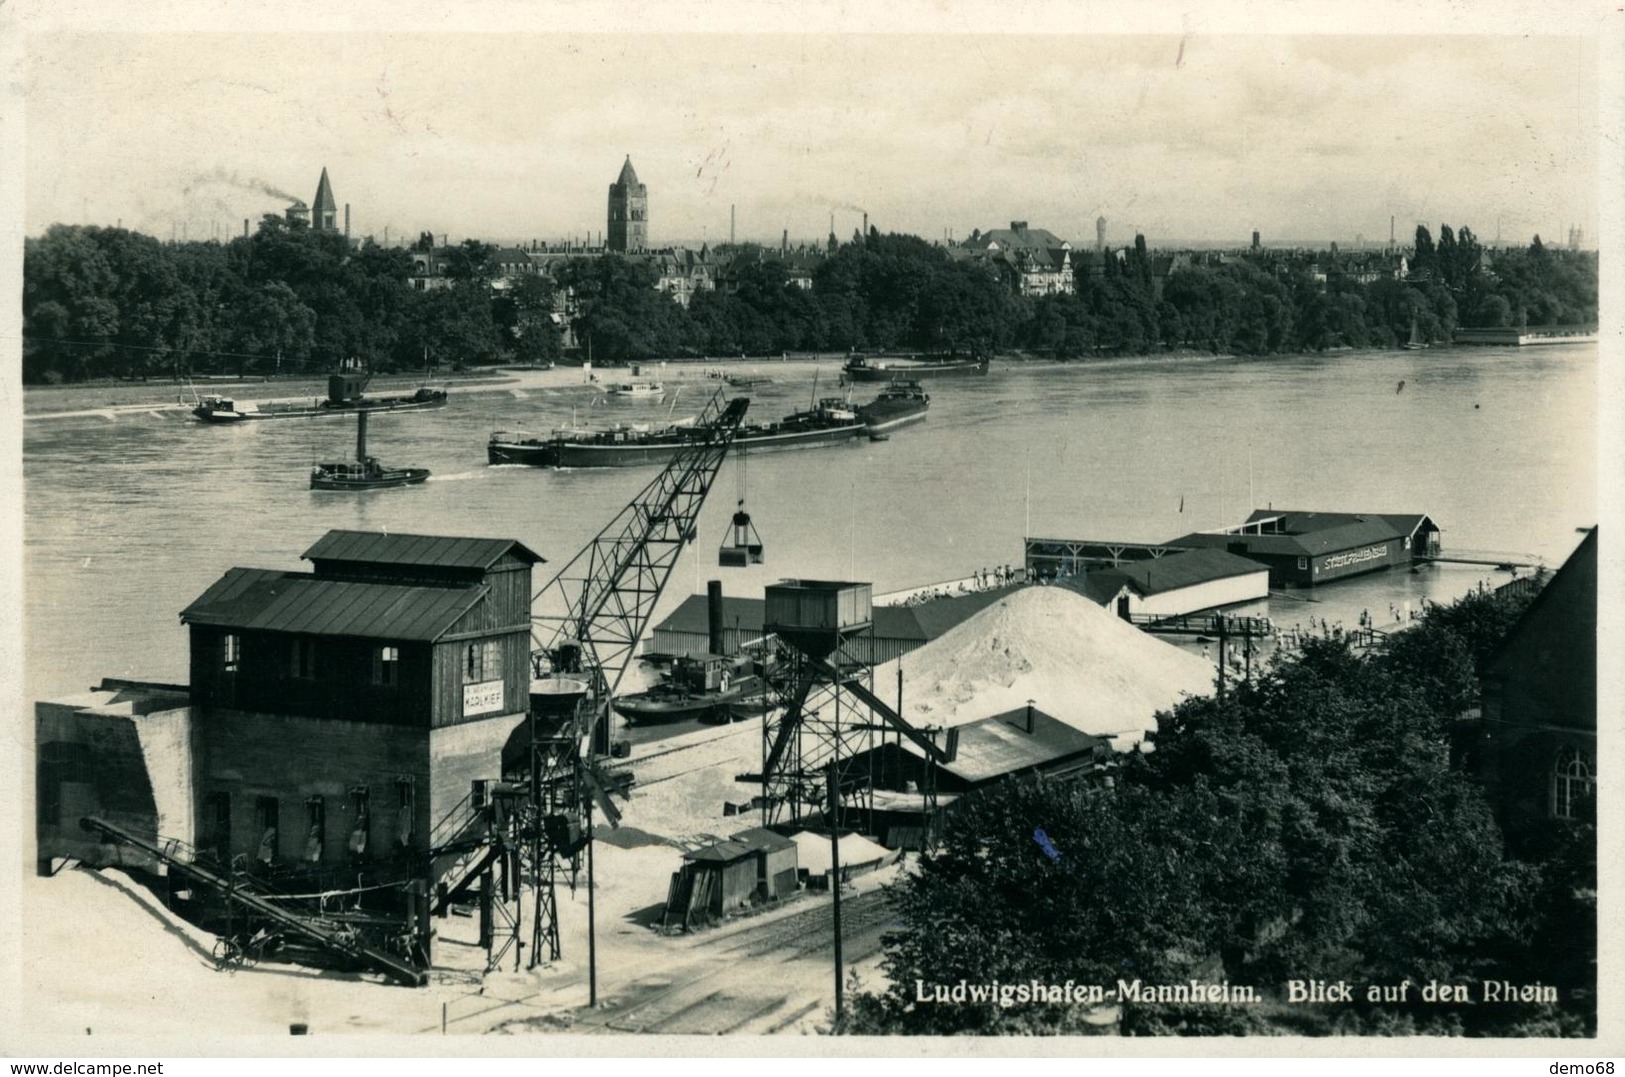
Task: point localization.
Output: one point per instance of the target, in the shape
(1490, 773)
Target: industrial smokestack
(784, 243)
(245, 227)
(713, 609)
(346, 220)
(866, 226)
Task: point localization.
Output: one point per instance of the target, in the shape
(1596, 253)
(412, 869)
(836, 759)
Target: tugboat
(900, 403)
(365, 473)
(699, 686)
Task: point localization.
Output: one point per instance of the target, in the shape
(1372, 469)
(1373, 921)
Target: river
(131, 514)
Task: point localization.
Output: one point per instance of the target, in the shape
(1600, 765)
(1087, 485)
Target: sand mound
(1074, 659)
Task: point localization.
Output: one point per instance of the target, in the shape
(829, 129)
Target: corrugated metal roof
(1174, 571)
(259, 600)
(378, 548)
(762, 838)
(923, 621)
(1000, 745)
(1334, 532)
(722, 852)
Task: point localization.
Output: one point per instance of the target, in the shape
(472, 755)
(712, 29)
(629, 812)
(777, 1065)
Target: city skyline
(1196, 140)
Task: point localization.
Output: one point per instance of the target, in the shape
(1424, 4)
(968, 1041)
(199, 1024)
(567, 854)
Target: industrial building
(724, 877)
(338, 714)
(121, 751)
(1305, 549)
(1179, 583)
(896, 630)
(907, 790)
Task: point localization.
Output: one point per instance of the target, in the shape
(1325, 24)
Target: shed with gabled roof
(1303, 548)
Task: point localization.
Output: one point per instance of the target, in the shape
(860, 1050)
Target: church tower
(324, 212)
(628, 212)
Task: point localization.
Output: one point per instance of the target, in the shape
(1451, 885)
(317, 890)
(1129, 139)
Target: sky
(1188, 135)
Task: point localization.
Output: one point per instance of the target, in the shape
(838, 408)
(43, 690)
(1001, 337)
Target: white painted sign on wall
(482, 698)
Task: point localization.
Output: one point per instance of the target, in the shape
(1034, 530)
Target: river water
(131, 514)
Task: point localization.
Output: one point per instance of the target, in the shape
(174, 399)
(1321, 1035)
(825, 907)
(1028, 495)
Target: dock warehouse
(904, 786)
(340, 713)
(1179, 583)
(1305, 549)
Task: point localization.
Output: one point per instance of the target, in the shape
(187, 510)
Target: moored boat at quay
(831, 422)
(699, 686)
(345, 396)
(900, 403)
(861, 368)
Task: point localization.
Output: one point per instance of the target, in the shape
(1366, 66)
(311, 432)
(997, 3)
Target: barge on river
(899, 404)
(831, 422)
(345, 396)
(861, 368)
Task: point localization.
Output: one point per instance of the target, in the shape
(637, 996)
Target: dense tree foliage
(104, 302)
(1309, 825)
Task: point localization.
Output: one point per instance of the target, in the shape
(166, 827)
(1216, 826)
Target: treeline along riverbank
(112, 303)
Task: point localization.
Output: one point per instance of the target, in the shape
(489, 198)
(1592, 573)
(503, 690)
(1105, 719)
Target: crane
(586, 624)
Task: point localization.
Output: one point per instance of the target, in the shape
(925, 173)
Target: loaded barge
(831, 422)
(860, 368)
(344, 397)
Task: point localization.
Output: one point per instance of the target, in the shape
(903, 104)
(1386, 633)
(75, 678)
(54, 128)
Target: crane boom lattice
(585, 625)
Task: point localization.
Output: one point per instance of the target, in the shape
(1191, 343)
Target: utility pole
(835, 854)
(592, 927)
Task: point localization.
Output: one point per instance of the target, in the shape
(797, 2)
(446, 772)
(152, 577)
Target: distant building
(1539, 756)
(1032, 261)
(628, 212)
(324, 211)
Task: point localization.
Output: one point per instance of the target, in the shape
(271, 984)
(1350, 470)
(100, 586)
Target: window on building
(315, 828)
(217, 825)
(1573, 783)
(1303, 563)
(361, 810)
(405, 809)
(482, 661)
(231, 652)
(386, 666)
(302, 659)
(266, 810)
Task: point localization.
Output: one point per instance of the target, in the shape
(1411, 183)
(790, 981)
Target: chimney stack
(866, 226)
(245, 227)
(784, 243)
(713, 609)
(1030, 713)
(346, 220)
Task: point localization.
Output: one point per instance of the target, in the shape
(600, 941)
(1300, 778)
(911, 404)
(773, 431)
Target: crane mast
(586, 624)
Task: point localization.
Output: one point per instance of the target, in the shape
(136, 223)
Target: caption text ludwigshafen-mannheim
(1298, 992)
